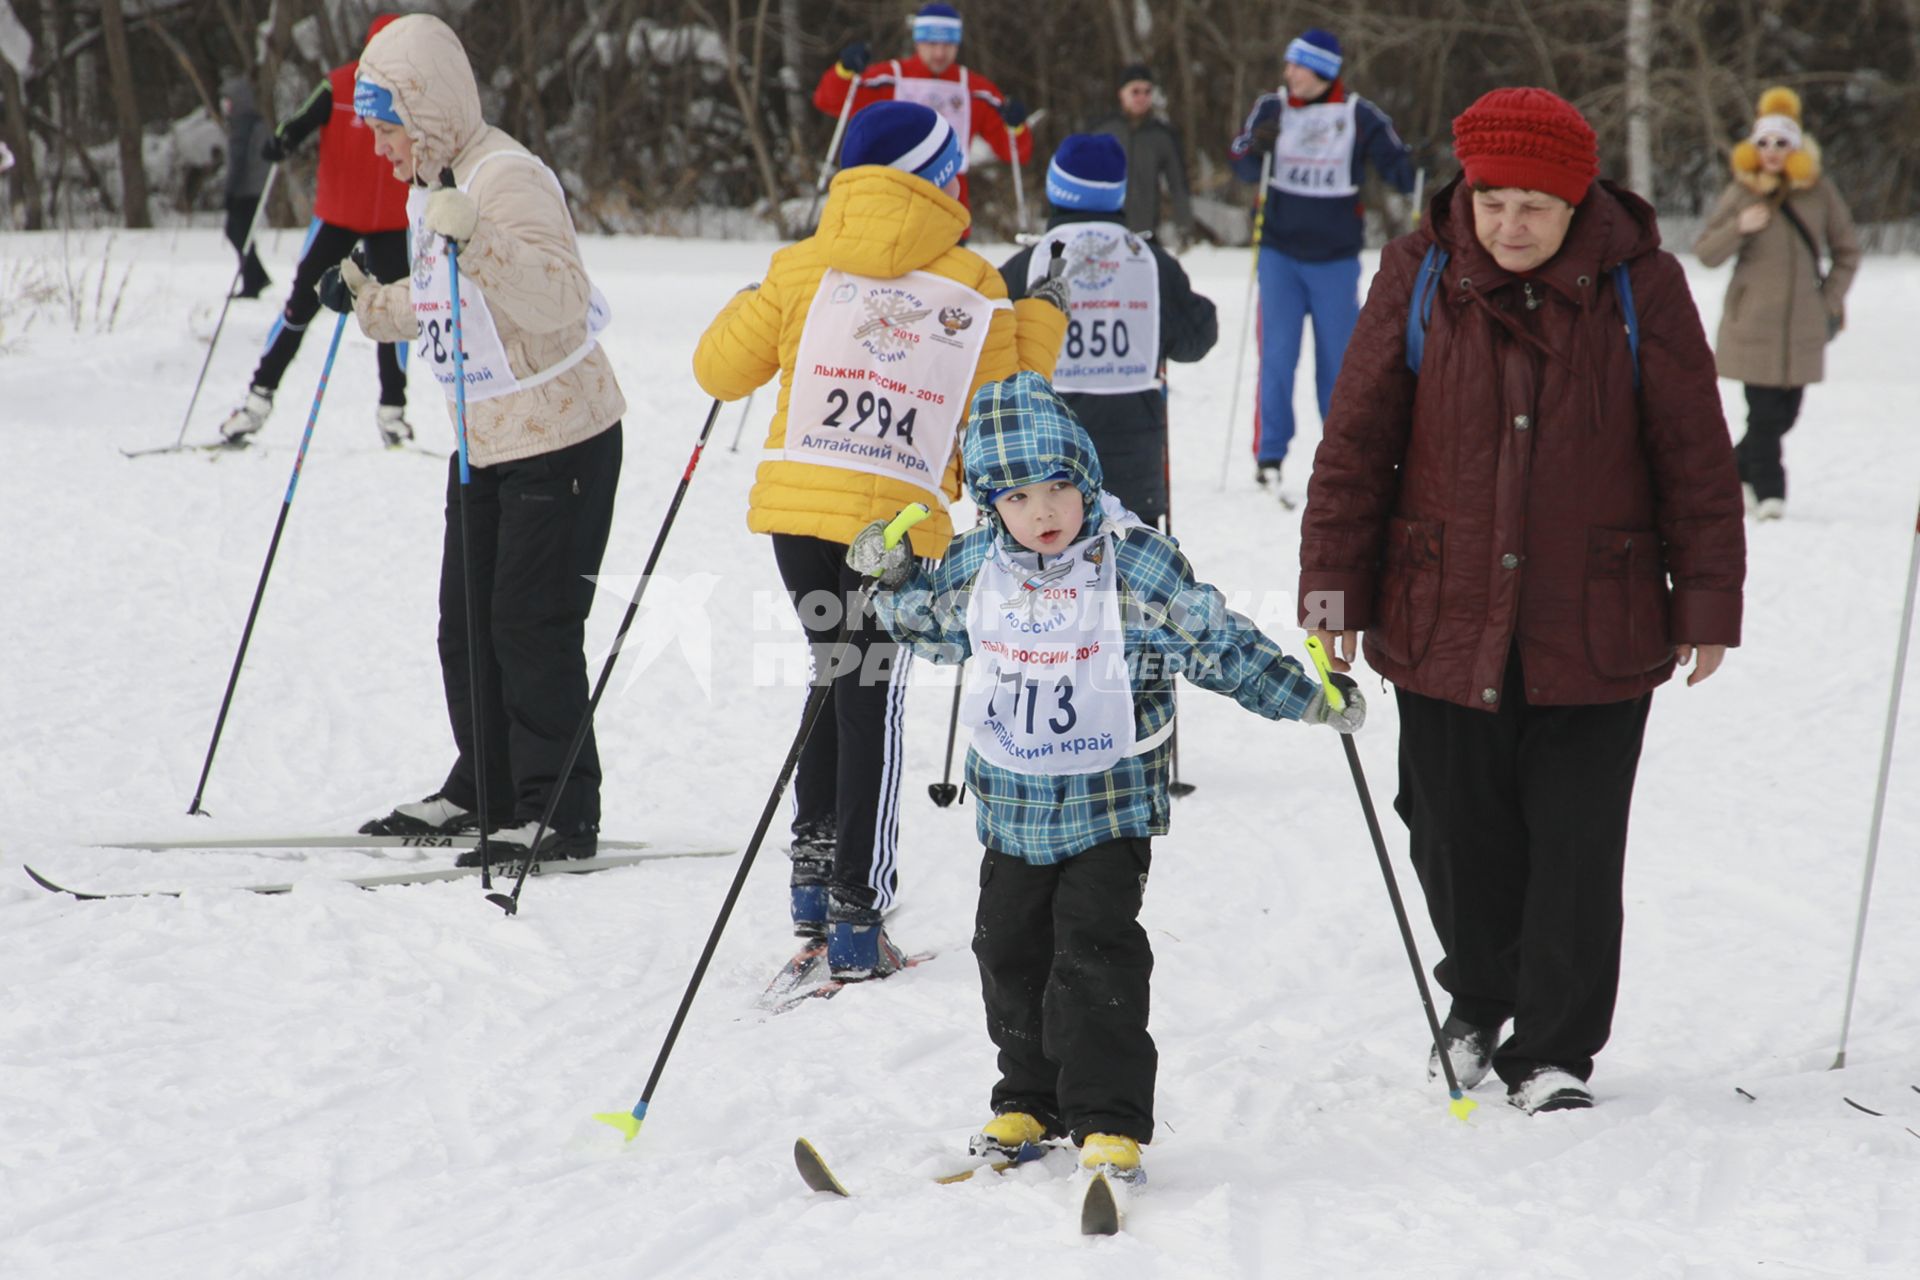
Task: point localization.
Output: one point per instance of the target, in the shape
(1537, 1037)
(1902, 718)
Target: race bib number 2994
(852, 412)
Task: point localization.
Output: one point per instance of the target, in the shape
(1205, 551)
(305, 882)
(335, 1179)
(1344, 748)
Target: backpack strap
(1623, 286)
(1425, 286)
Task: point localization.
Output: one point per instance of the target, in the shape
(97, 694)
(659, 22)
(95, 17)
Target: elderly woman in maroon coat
(1526, 500)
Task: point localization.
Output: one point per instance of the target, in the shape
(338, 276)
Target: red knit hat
(1527, 138)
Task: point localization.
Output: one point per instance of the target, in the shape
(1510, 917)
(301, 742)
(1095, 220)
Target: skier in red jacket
(359, 201)
(933, 77)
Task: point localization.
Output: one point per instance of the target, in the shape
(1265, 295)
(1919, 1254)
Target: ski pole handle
(910, 515)
(1318, 652)
(1057, 264)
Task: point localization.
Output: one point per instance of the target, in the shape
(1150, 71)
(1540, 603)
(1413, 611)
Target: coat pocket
(1408, 603)
(1627, 603)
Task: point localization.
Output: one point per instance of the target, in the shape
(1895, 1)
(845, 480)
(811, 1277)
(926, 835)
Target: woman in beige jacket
(543, 434)
(1781, 310)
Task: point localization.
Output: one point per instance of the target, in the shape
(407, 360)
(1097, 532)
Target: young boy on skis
(1076, 616)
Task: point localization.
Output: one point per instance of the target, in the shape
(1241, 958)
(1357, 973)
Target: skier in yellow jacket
(881, 327)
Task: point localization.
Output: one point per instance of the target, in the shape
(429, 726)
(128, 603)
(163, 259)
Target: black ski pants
(1771, 413)
(253, 276)
(848, 778)
(1065, 969)
(327, 246)
(537, 530)
(1518, 822)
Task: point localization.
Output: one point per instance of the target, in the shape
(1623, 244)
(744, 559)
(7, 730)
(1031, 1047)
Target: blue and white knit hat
(1318, 51)
(902, 135)
(936, 24)
(1089, 172)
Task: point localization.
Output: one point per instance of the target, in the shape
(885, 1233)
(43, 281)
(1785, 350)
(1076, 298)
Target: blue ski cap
(1318, 51)
(904, 136)
(936, 24)
(1088, 173)
(375, 102)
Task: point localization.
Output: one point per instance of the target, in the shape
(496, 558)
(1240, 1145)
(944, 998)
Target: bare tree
(133, 167)
(1640, 96)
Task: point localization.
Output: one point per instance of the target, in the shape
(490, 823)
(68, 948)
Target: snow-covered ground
(338, 1083)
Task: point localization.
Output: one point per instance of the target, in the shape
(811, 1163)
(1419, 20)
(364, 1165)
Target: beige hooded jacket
(523, 253)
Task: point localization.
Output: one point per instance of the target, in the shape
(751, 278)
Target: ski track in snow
(339, 1083)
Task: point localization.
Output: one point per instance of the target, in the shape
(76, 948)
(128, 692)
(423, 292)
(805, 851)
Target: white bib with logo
(951, 100)
(1113, 329)
(1048, 690)
(488, 372)
(881, 378)
(1313, 156)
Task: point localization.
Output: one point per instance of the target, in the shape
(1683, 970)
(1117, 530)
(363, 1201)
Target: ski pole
(253, 227)
(741, 429)
(1246, 315)
(476, 709)
(1019, 187)
(1175, 787)
(833, 149)
(1880, 794)
(1419, 186)
(273, 547)
(628, 1122)
(510, 903)
(1461, 1106)
(944, 792)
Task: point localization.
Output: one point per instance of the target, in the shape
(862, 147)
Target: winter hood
(882, 222)
(1020, 432)
(421, 62)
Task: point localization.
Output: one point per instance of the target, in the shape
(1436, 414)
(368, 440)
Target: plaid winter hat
(1527, 138)
(905, 136)
(1089, 172)
(1318, 51)
(936, 24)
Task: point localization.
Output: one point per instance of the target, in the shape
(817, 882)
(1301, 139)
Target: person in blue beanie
(1320, 138)
(1133, 310)
(1076, 618)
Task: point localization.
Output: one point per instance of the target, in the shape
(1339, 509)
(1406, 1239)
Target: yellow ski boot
(1006, 1135)
(1113, 1154)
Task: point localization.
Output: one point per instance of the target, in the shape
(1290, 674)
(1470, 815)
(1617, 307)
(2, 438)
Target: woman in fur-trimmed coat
(1781, 309)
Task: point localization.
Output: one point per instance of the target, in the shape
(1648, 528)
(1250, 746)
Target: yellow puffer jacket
(883, 223)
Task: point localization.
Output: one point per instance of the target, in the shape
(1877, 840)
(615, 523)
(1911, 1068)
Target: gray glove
(1054, 289)
(871, 557)
(1350, 716)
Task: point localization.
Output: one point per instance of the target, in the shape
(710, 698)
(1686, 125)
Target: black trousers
(849, 771)
(1065, 969)
(1771, 413)
(328, 246)
(253, 276)
(538, 528)
(1518, 822)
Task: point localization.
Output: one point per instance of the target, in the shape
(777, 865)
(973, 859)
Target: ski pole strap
(1318, 652)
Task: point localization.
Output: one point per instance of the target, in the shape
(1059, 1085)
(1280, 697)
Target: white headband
(1777, 127)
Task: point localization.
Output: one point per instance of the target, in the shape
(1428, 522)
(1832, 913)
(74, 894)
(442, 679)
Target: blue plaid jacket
(1019, 433)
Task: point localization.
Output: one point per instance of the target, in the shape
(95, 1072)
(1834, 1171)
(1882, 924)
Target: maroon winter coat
(1519, 487)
